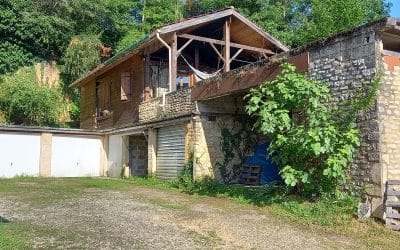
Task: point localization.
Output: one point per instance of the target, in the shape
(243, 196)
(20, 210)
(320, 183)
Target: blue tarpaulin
(269, 170)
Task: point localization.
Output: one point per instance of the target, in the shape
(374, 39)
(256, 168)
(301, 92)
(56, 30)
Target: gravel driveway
(145, 218)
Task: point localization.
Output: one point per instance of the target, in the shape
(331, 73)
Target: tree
(149, 15)
(41, 30)
(327, 17)
(24, 102)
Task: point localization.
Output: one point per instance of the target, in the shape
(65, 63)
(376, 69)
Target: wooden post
(227, 48)
(174, 63)
(147, 85)
(196, 57)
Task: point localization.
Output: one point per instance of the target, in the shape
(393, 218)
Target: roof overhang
(167, 29)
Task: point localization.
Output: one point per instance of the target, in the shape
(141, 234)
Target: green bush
(310, 144)
(185, 180)
(23, 102)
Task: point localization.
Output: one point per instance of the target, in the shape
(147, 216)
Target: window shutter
(126, 88)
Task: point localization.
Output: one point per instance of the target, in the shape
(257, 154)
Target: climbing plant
(313, 140)
(235, 142)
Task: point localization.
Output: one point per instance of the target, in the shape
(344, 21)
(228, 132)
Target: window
(126, 86)
(184, 81)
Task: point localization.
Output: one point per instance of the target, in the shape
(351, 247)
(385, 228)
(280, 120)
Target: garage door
(19, 155)
(75, 157)
(170, 151)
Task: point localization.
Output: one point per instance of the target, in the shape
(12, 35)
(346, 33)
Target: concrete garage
(51, 152)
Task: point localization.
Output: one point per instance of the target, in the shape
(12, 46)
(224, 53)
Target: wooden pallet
(392, 203)
(250, 174)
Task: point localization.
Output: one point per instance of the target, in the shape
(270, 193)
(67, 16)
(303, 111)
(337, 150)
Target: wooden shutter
(126, 86)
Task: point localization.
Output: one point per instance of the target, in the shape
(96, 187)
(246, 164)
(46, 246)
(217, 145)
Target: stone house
(159, 101)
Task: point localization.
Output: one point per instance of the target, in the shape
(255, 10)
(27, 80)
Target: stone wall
(177, 104)
(344, 64)
(389, 117)
(207, 144)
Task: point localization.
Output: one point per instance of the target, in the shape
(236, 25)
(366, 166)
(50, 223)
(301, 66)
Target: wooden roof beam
(220, 42)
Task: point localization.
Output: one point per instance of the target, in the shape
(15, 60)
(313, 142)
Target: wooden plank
(227, 48)
(184, 46)
(236, 54)
(195, 21)
(220, 42)
(216, 51)
(393, 182)
(266, 35)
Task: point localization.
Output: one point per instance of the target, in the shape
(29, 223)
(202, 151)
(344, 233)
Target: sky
(395, 11)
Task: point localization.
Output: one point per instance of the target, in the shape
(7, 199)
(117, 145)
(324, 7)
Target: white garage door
(170, 151)
(19, 155)
(75, 157)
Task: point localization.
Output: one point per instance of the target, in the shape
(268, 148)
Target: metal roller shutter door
(170, 151)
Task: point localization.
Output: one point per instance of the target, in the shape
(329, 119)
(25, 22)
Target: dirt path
(146, 218)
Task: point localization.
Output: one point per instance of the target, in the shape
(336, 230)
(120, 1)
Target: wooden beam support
(184, 46)
(216, 51)
(236, 54)
(219, 42)
(227, 47)
(196, 57)
(174, 63)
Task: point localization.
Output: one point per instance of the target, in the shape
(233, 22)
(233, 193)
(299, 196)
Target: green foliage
(311, 145)
(23, 102)
(235, 142)
(151, 14)
(185, 180)
(298, 22)
(81, 55)
(332, 16)
(324, 211)
(42, 29)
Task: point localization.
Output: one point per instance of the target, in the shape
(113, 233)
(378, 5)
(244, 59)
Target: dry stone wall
(345, 64)
(177, 104)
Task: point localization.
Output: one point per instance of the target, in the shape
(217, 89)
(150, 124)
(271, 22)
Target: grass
(325, 215)
(12, 236)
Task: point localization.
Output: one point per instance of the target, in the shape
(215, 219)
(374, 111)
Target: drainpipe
(169, 65)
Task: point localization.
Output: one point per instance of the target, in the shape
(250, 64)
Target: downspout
(169, 65)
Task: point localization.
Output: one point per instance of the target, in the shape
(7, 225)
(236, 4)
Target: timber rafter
(221, 42)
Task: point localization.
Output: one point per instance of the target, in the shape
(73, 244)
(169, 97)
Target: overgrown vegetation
(24, 102)
(313, 140)
(236, 139)
(185, 180)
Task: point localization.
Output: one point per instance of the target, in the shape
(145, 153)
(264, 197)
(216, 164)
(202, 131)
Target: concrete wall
(118, 154)
(50, 153)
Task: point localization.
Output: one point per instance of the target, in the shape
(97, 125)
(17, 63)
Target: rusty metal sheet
(240, 80)
(301, 61)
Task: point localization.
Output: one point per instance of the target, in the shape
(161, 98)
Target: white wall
(63, 155)
(19, 155)
(75, 156)
(115, 161)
